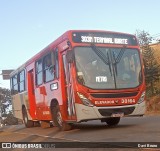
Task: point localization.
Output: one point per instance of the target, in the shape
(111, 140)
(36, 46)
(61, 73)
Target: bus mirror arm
(69, 56)
(53, 54)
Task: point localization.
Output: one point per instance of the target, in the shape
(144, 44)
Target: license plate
(117, 115)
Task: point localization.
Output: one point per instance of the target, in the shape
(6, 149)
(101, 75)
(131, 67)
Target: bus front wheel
(58, 121)
(28, 123)
(113, 121)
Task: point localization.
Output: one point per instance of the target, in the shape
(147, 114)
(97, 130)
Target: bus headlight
(141, 99)
(85, 100)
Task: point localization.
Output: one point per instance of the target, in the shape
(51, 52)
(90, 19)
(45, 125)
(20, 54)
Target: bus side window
(39, 72)
(22, 81)
(14, 84)
(48, 68)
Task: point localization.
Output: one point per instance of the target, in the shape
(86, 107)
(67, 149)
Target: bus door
(31, 94)
(69, 88)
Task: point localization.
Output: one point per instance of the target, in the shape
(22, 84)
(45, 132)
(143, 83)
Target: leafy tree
(151, 66)
(5, 101)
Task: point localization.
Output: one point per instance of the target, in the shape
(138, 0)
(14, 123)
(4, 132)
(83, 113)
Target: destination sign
(103, 38)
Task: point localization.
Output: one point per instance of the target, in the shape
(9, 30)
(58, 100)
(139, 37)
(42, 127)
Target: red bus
(83, 75)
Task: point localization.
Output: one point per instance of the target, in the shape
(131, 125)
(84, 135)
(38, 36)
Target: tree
(5, 101)
(151, 66)
(5, 111)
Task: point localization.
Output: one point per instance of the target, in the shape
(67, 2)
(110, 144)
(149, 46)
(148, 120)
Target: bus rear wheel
(58, 121)
(28, 123)
(113, 121)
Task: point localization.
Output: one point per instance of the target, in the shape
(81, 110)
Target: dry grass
(153, 105)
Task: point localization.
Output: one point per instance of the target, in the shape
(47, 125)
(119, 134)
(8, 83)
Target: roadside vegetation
(152, 71)
(6, 115)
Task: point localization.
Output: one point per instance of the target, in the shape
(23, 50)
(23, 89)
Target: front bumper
(85, 113)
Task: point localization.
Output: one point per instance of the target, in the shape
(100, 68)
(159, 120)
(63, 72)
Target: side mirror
(70, 56)
(52, 68)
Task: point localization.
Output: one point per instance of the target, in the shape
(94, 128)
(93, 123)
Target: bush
(10, 120)
(153, 103)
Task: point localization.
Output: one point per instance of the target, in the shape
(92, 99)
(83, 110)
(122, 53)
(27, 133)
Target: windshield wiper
(109, 64)
(102, 56)
(118, 58)
(114, 63)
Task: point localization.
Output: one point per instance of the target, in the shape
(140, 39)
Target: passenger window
(22, 81)
(48, 68)
(39, 72)
(15, 84)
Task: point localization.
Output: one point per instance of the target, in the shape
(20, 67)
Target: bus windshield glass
(108, 68)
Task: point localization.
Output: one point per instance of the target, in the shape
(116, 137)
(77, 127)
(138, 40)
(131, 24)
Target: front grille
(114, 95)
(109, 112)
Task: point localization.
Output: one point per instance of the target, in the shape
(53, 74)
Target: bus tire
(58, 121)
(113, 121)
(28, 123)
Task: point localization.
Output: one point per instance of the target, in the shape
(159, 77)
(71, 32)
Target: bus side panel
(17, 101)
(44, 95)
(41, 94)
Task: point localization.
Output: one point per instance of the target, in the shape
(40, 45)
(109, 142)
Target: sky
(27, 26)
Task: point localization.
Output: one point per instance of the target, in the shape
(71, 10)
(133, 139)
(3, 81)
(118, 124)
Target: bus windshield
(108, 68)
